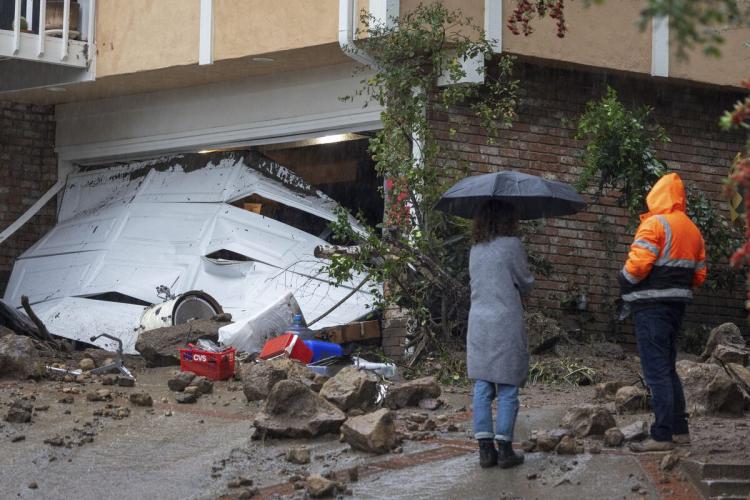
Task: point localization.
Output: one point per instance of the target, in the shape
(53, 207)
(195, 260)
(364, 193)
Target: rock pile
(190, 386)
(293, 410)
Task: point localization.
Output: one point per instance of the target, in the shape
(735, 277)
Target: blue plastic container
(300, 329)
(322, 349)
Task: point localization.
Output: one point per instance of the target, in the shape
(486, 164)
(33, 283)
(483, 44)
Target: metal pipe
(42, 27)
(347, 16)
(17, 27)
(91, 29)
(65, 30)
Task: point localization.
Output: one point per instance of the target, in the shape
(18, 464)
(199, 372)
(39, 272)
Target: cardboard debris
(352, 332)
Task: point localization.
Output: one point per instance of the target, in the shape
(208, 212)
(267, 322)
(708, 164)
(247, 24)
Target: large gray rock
(373, 433)
(549, 439)
(730, 354)
(411, 393)
(351, 388)
(631, 399)
(588, 420)
(613, 437)
(180, 380)
(19, 412)
(293, 410)
(259, 378)
(159, 347)
(709, 390)
(18, 357)
(606, 391)
(724, 334)
(741, 376)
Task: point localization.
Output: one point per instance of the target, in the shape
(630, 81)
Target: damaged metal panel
(131, 228)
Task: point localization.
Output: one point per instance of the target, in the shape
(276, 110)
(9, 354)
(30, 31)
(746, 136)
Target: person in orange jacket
(667, 260)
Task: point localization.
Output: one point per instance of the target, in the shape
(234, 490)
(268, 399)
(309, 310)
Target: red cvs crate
(214, 365)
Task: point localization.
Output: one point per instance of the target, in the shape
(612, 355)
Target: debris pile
(189, 387)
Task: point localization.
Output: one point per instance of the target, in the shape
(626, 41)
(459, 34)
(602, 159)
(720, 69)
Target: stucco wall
(140, 35)
(604, 35)
(245, 27)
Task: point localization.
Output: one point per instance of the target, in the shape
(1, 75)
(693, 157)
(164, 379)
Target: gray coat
(497, 346)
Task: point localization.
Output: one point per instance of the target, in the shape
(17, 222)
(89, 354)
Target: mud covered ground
(205, 450)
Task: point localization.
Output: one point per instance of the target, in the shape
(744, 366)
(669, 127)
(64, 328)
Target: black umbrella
(532, 196)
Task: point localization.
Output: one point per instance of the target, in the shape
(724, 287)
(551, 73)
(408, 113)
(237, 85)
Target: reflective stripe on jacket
(667, 258)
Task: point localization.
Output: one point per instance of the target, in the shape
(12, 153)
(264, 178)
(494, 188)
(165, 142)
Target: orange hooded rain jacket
(668, 257)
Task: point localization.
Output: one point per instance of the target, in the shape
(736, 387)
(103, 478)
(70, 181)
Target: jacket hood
(667, 195)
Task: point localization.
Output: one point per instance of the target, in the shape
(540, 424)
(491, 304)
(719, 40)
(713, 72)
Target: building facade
(125, 81)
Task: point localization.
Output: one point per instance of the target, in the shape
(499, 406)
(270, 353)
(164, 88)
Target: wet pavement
(194, 451)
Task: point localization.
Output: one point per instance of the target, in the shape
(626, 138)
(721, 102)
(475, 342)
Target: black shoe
(506, 457)
(487, 453)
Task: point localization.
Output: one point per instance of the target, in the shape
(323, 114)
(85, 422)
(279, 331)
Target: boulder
(588, 420)
(180, 380)
(548, 440)
(18, 357)
(543, 332)
(351, 388)
(724, 334)
(19, 412)
(631, 399)
(4, 330)
(606, 391)
(318, 487)
(299, 456)
(159, 346)
(730, 354)
(741, 376)
(373, 433)
(411, 393)
(293, 410)
(259, 378)
(125, 381)
(99, 395)
(613, 437)
(141, 399)
(186, 398)
(205, 385)
(636, 431)
(709, 390)
(87, 364)
(431, 404)
(566, 446)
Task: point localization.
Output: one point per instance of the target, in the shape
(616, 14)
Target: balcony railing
(38, 34)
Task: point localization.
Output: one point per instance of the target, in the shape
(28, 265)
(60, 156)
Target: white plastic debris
(251, 334)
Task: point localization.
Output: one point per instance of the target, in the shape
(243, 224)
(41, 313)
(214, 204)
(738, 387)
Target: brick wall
(588, 249)
(28, 168)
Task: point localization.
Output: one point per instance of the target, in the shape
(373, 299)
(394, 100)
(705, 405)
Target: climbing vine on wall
(419, 253)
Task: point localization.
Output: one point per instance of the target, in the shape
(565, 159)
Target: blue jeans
(656, 329)
(507, 410)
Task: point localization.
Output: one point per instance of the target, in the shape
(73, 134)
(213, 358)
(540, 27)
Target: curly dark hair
(494, 218)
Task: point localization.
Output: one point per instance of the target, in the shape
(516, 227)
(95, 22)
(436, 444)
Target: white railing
(52, 49)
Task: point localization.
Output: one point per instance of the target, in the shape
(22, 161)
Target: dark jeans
(656, 329)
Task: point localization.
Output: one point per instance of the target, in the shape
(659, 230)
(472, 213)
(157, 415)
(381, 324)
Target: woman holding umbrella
(497, 345)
